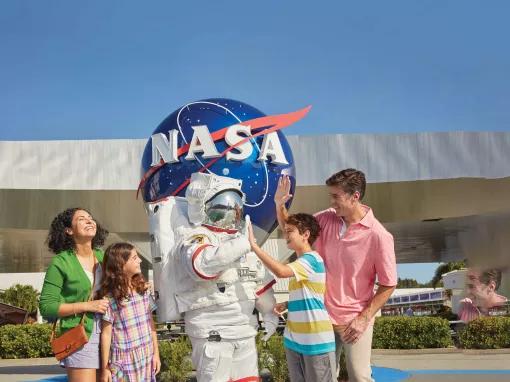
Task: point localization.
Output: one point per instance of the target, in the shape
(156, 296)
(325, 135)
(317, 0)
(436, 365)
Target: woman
(75, 238)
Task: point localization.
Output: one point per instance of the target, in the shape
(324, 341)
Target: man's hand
(355, 329)
(282, 194)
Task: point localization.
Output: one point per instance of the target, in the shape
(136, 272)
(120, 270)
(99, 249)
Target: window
(436, 295)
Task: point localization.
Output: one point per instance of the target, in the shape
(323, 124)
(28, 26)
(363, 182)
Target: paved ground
(443, 365)
(15, 370)
(458, 377)
(432, 359)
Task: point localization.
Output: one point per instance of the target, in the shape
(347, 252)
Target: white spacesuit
(203, 269)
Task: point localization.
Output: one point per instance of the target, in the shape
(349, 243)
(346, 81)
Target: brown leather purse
(74, 338)
(70, 341)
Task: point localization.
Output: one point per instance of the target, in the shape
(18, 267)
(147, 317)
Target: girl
(129, 347)
(75, 238)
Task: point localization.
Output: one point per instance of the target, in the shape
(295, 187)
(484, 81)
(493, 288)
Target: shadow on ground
(36, 369)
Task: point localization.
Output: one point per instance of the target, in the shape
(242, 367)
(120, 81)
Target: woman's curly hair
(114, 280)
(58, 240)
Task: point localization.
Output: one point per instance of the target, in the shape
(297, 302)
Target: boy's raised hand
(249, 231)
(282, 194)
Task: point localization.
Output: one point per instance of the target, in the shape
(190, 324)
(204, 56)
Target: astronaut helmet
(225, 210)
(215, 200)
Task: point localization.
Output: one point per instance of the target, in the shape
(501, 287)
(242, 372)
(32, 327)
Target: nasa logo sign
(224, 137)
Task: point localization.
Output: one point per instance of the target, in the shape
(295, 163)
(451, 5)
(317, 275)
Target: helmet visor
(225, 210)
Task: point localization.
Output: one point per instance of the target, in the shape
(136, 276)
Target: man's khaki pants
(357, 355)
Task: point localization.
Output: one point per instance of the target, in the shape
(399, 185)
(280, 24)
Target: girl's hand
(282, 194)
(106, 375)
(156, 363)
(280, 308)
(97, 306)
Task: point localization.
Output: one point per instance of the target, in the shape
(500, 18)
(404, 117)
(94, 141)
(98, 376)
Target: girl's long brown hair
(114, 281)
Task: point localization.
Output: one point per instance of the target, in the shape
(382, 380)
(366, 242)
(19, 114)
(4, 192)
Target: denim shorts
(88, 356)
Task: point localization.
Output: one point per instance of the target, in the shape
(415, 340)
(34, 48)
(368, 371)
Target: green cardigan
(66, 282)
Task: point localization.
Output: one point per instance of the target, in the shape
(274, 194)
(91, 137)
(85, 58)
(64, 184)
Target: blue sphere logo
(197, 138)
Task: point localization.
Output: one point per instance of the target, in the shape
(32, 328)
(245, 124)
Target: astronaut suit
(204, 271)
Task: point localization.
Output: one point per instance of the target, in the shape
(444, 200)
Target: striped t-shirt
(309, 330)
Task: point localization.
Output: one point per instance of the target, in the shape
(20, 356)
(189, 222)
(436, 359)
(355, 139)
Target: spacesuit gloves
(270, 324)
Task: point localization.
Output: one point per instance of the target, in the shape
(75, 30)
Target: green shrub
(175, 360)
(25, 341)
(411, 333)
(486, 333)
(272, 357)
(22, 296)
(446, 313)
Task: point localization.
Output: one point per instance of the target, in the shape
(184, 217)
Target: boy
(308, 338)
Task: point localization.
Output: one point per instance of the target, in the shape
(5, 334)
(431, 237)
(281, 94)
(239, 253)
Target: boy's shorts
(317, 368)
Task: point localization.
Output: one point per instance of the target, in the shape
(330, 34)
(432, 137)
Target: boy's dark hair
(305, 222)
(349, 180)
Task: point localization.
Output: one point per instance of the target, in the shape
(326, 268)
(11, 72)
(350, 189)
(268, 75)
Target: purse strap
(94, 268)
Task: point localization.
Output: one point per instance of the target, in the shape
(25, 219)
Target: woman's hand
(282, 194)
(97, 306)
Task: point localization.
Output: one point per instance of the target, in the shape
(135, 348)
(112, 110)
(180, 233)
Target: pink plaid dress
(131, 349)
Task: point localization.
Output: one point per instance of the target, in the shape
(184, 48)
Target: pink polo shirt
(353, 262)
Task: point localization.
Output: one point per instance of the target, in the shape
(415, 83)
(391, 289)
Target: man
(481, 287)
(356, 250)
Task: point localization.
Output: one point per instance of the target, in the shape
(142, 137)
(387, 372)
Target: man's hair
(491, 275)
(349, 180)
(303, 223)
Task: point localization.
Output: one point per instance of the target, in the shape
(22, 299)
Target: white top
(99, 274)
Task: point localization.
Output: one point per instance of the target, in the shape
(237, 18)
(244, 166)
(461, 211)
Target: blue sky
(115, 69)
